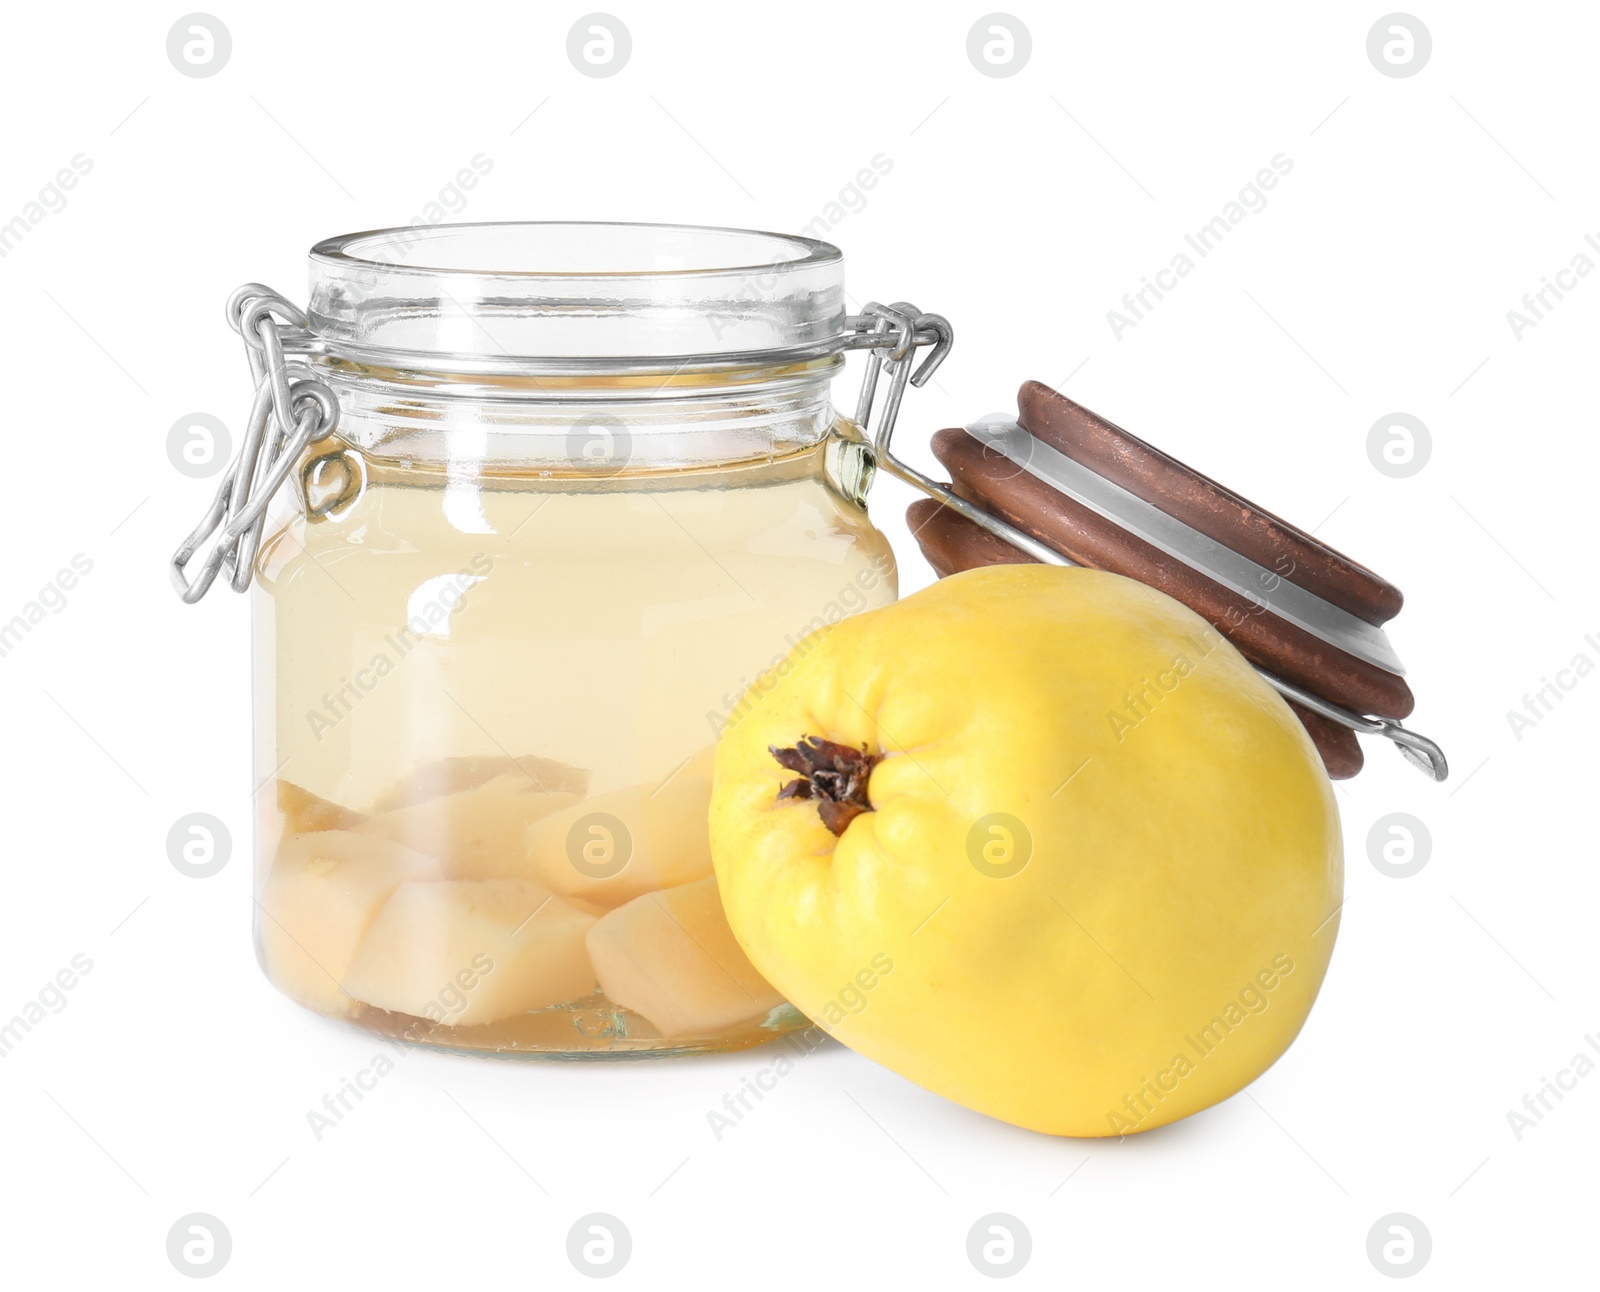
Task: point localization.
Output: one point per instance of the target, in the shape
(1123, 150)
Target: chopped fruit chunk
(465, 952)
(612, 848)
(452, 775)
(322, 892)
(671, 957)
(477, 833)
(304, 812)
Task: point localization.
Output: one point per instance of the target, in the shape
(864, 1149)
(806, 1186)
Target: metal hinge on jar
(291, 409)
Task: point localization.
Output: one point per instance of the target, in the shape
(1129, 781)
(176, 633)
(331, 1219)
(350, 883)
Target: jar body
(486, 697)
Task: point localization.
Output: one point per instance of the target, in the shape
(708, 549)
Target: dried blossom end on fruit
(834, 775)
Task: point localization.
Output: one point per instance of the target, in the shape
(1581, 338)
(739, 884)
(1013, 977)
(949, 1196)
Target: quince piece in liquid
(671, 957)
(476, 833)
(321, 893)
(612, 848)
(465, 952)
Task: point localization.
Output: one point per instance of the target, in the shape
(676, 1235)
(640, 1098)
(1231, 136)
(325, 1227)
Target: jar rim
(563, 292)
(347, 248)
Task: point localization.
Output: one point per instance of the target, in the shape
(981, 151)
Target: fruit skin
(1169, 931)
(307, 813)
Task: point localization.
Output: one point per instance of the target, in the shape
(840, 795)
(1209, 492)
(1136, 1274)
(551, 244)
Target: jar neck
(609, 421)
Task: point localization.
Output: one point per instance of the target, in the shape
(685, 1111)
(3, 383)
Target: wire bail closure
(893, 334)
(292, 408)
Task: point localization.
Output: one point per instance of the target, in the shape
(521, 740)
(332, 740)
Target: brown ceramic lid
(1202, 503)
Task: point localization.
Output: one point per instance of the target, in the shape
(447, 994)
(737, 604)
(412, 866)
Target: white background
(1378, 278)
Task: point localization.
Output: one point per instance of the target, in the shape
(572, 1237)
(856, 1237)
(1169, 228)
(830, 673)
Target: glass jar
(585, 484)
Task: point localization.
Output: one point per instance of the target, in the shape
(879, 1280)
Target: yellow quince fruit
(1037, 839)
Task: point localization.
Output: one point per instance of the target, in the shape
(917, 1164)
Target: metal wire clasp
(893, 334)
(291, 409)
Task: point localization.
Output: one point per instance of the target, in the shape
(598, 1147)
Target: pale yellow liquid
(611, 626)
